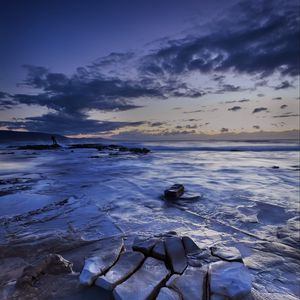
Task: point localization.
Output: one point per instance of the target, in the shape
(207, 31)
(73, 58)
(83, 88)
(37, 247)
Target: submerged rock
(174, 192)
(229, 281)
(145, 283)
(227, 253)
(144, 245)
(176, 254)
(168, 294)
(51, 264)
(125, 266)
(159, 250)
(191, 285)
(99, 263)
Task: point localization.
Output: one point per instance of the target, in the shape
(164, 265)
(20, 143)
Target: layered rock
(176, 254)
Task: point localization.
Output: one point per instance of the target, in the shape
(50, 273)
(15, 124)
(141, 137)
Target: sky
(160, 68)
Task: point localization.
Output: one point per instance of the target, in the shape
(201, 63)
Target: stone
(227, 253)
(99, 263)
(159, 250)
(174, 192)
(168, 294)
(127, 264)
(229, 280)
(189, 245)
(51, 264)
(191, 285)
(144, 245)
(170, 280)
(201, 257)
(143, 284)
(176, 254)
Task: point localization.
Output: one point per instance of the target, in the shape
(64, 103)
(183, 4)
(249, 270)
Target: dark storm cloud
(283, 85)
(259, 109)
(6, 101)
(234, 108)
(277, 98)
(238, 101)
(283, 106)
(262, 39)
(66, 124)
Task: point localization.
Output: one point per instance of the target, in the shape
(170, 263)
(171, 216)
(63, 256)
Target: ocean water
(249, 198)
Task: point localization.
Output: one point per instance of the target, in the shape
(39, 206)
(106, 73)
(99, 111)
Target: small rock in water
(99, 263)
(176, 254)
(229, 280)
(143, 284)
(275, 167)
(227, 253)
(144, 245)
(159, 251)
(189, 245)
(128, 262)
(168, 294)
(174, 192)
(191, 285)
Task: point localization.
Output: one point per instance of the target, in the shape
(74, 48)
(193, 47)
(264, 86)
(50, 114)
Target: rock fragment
(174, 192)
(229, 280)
(176, 254)
(99, 263)
(189, 245)
(227, 253)
(168, 294)
(191, 285)
(159, 251)
(143, 284)
(128, 262)
(144, 245)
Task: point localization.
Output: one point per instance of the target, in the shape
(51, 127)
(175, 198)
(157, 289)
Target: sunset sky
(137, 68)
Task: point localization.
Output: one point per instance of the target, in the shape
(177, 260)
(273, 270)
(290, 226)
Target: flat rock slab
(189, 245)
(168, 294)
(176, 254)
(191, 285)
(201, 257)
(99, 263)
(143, 284)
(159, 251)
(227, 253)
(229, 280)
(128, 262)
(144, 245)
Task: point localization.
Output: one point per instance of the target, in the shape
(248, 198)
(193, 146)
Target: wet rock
(99, 263)
(51, 264)
(143, 284)
(174, 192)
(144, 245)
(39, 147)
(168, 294)
(229, 280)
(125, 266)
(159, 251)
(275, 167)
(176, 254)
(201, 257)
(171, 279)
(190, 196)
(189, 245)
(227, 253)
(191, 285)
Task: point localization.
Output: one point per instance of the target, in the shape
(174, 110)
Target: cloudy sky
(149, 68)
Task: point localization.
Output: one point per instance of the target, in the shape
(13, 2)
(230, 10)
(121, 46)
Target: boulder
(128, 262)
(144, 245)
(174, 192)
(191, 285)
(176, 254)
(229, 281)
(99, 263)
(159, 250)
(143, 284)
(189, 245)
(168, 294)
(227, 253)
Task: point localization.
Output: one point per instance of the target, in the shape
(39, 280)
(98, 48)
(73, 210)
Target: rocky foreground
(160, 267)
